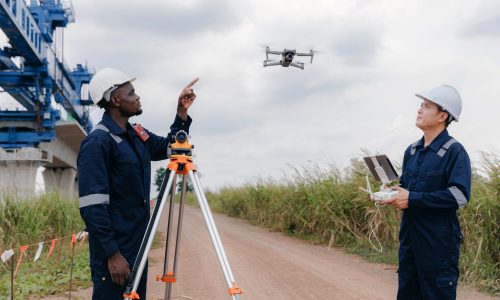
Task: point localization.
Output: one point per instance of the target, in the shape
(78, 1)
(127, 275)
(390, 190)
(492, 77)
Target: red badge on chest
(143, 135)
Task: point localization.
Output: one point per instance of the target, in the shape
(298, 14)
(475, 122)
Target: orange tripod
(181, 163)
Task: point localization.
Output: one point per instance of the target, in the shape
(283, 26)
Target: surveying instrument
(181, 163)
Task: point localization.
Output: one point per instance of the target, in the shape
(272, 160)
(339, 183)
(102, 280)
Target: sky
(252, 123)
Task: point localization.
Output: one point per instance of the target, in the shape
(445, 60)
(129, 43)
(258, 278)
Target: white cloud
(251, 121)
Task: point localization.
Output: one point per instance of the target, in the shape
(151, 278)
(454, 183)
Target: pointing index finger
(192, 82)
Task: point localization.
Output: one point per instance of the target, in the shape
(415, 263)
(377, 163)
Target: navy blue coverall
(114, 176)
(438, 178)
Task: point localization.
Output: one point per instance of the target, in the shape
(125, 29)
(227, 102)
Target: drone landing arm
(297, 65)
(267, 64)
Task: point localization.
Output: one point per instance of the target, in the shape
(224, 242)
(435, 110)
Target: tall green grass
(23, 221)
(480, 260)
(39, 219)
(326, 206)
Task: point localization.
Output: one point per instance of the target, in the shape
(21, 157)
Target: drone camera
(289, 56)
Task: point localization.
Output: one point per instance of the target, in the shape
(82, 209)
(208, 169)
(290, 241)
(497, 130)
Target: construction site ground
(267, 265)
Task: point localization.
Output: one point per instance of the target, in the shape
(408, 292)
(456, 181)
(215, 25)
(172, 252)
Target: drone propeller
(314, 52)
(309, 53)
(312, 55)
(311, 47)
(264, 46)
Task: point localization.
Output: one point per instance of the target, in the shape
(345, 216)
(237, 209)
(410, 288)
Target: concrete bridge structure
(33, 72)
(19, 167)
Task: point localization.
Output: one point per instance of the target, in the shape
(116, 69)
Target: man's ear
(443, 116)
(114, 101)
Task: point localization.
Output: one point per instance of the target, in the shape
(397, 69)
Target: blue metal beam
(42, 75)
(12, 138)
(22, 30)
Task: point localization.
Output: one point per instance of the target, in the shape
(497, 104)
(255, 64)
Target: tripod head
(180, 144)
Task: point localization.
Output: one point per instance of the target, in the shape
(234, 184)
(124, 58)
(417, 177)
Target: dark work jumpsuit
(114, 177)
(438, 178)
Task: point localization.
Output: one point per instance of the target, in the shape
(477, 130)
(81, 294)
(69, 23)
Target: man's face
(126, 100)
(429, 116)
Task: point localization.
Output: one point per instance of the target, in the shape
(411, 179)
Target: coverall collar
(438, 141)
(112, 126)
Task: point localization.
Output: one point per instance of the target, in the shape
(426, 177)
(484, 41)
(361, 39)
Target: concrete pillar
(18, 169)
(61, 180)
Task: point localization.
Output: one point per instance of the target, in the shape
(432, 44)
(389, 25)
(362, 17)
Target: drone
(287, 56)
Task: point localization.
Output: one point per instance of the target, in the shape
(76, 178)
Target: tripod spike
(235, 290)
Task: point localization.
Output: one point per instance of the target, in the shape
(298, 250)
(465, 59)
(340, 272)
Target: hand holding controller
(381, 195)
(382, 170)
(384, 194)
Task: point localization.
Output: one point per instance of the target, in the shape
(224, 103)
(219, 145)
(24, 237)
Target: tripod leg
(212, 224)
(214, 235)
(140, 262)
(165, 182)
(169, 229)
(168, 287)
(169, 225)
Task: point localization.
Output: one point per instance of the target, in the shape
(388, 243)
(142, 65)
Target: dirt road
(268, 265)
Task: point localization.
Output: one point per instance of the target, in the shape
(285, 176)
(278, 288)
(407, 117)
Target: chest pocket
(412, 179)
(426, 178)
(126, 174)
(127, 184)
(433, 180)
(432, 175)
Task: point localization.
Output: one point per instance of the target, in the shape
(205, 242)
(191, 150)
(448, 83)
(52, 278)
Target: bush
(39, 219)
(327, 207)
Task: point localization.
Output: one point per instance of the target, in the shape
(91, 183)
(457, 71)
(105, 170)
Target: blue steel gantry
(31, 72)
(40, 76)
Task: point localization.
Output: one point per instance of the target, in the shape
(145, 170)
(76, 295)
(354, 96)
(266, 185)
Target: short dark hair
(106, 104)
(103, 104)
(450, 117)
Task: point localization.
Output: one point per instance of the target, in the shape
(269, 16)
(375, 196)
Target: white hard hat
(105, 81)
(447, 97)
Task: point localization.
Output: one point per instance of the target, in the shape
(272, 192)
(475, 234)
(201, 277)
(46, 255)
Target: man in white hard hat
(435, 182)
(114, 176)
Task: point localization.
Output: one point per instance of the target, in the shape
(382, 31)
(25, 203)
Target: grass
(47, 276)
(321, 205)
(326, 207)
(24, 221)
(37, 219)
(480, 260)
